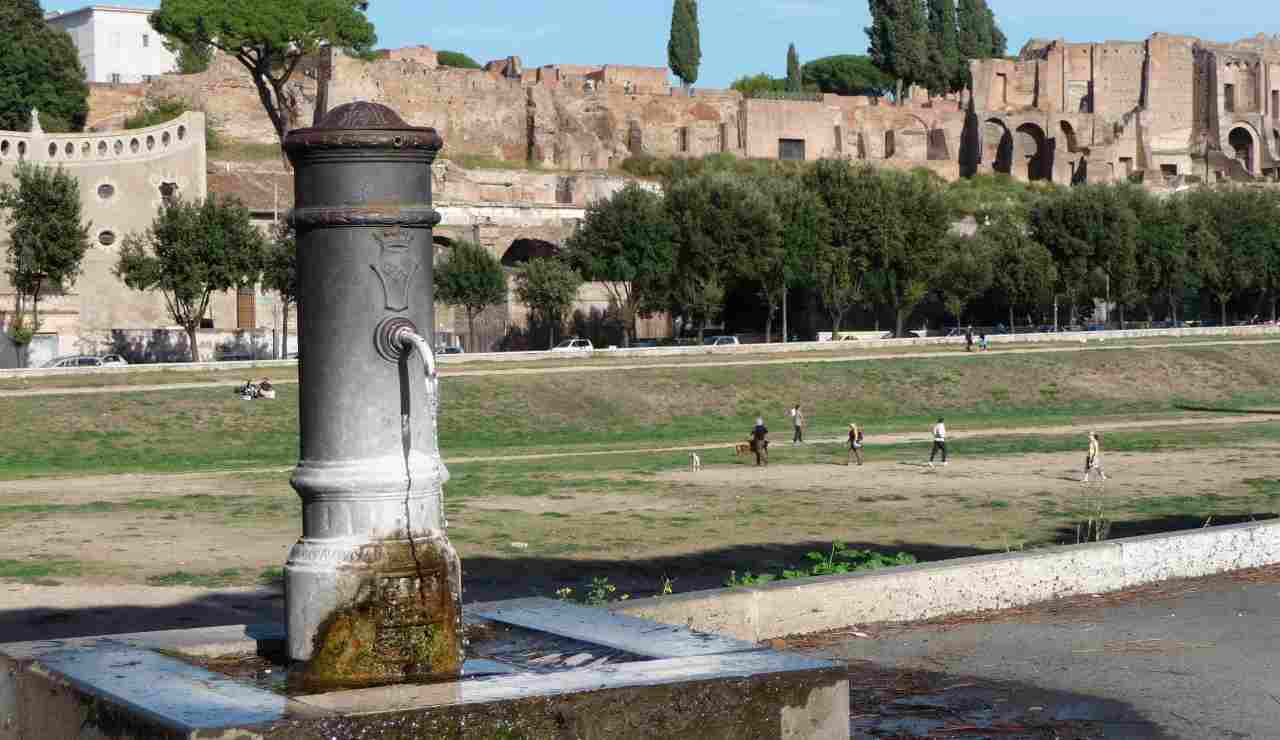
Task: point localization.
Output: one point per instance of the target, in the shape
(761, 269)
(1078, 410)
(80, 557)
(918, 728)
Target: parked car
(574, 345)
(114, 360)
(75, 361)
(451, 349)
(721, 341)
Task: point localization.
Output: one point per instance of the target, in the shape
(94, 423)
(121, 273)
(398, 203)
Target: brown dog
(743, 448)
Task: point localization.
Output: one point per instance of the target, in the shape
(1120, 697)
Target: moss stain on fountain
(404, 625)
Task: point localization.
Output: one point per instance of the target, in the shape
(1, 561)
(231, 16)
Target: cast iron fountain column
(373, 587)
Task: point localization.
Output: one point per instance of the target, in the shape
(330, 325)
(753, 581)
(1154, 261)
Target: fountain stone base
(547, 669)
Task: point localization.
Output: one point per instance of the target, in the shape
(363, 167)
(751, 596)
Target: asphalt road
(1194, 659)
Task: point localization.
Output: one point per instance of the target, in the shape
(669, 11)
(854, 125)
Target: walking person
(797, 421)
(939, 442)
(855, 445)
(1093, 460)
(760, 442)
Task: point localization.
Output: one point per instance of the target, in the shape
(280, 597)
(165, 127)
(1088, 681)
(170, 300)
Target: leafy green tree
(1164, 265)
(907, 237)
(270, 38)
(898, 41)
(965, 273)
(757, 85)
(1025, 274)
(471, 278)
(47, 239)
(1084, 228)
(786, 259)
(192, 58)
(1232, 258)
(280, 272)
(945, 72)
(795, 80)
(549, 287)
(842, 266)
(717, 217)
(456, 59)
(684, 49)
(190, 251)
(39, 69)
(848, 74)
(626, 243)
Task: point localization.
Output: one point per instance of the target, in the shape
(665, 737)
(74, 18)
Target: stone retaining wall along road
(743, 350)
(963, 585)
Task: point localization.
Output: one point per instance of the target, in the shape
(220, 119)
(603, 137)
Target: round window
(53, 149)
(22, 148)
(151, 143)
(119, 147)
(106, 238)
(70, 149)
(106, 190)
(182, 133)
(102, 148)
(134, 146)
(4, 148)
(164, 139)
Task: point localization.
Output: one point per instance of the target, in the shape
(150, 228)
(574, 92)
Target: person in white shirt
(797, 422)
(939, 442)
(1093, 461)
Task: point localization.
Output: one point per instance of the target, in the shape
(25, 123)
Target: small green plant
(273, 576)
(839, 560)
(667, 588)
(599, 593)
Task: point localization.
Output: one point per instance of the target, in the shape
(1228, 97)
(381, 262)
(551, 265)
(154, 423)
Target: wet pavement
(1190, 659)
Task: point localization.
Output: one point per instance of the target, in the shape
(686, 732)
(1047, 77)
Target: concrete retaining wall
(963, 585)
(744, 350)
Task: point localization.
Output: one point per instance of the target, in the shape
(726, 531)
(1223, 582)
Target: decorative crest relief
(397, 266)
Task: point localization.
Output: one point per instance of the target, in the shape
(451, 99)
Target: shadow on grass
(1224, 409)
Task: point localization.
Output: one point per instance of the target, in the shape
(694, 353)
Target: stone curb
(963, 585)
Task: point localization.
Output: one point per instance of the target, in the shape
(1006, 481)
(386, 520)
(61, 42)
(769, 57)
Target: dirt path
(796, 359)
(131, 485)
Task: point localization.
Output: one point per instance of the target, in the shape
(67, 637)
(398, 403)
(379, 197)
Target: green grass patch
(30, 570)
(219, 579)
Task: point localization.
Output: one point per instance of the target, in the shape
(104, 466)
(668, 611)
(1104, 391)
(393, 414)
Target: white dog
(695, 461)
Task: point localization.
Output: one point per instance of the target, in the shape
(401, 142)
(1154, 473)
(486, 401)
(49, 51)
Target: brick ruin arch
(1242, 145)
(933, 139)
(524, 249)
(997, 146)
(1035, 146)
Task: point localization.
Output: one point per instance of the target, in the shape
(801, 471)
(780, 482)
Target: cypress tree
(944, 48)
(898, 40)
(684, 50)
(795, 80)
(975, 23)
(999, 42)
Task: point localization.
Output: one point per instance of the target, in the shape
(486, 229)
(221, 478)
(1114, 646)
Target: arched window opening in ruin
(890, 146)
(938, 151)
(1069, 137)
(1241, 142)
(523, 250)
(998, 146)
(1275, 138)
(1036, 151)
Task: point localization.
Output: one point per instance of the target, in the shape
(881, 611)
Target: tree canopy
(946, 73)
(548, 286)
(684, 49)
(472, 278)
(898, 40)
(759, 85)
(47, 239)
(270, 38)
(848, 74)
(280, 271)
(39, 69)
(626, 243)
(456, 59)
(190, 251)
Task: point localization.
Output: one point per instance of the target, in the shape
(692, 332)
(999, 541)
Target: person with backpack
(855, 445)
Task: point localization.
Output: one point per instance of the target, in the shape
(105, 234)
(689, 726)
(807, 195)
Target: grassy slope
(210, 429)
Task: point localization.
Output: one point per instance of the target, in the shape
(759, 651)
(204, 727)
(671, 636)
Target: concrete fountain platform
(628, 678)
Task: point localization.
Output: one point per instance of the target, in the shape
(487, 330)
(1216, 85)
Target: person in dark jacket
(760, 442)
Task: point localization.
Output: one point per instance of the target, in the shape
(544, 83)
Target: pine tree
(795, 81)
(684, 50)
(944, 49)
(39, 69)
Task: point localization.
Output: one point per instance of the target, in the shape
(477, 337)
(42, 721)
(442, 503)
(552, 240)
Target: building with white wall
(116, 44)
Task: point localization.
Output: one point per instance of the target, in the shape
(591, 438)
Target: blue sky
(748, 36)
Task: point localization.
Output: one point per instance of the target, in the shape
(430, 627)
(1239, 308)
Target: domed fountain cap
(362, 125)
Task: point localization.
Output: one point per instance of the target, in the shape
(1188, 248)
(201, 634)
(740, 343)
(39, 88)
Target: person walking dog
(939, 442)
